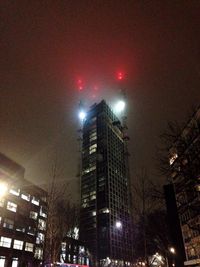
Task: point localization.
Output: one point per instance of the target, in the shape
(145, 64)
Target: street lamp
(118, 225)
(172, 250)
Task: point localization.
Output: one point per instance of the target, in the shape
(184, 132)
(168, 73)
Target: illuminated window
(63, 246)
(93, 148)
(43, 212)
(2, 261)
(14, 262)
(5, 242)
(33, 215)
(40, 238)
(94, 213)
(20, 228)
(93, 168)
(35, 201)
(29, 247)
(15, 191)
(25, 196)
(38, 253)
(8, 223)
(93, 197)
(41, 224)
(18, 244)
(11, 206)
(31, 230)
(105, 210)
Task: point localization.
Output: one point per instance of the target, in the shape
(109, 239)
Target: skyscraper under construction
(105, 223)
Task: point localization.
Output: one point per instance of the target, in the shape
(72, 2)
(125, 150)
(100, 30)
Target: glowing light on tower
(82, 115)
(120, 106)
(80, 84)
(120, 76)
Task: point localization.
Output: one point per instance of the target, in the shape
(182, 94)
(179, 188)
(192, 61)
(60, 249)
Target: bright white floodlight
(120, 106)
(118, 225)
(82, 115)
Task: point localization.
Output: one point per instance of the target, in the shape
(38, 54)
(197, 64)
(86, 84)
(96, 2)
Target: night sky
(46, 46)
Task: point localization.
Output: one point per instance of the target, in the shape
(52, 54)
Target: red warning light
(80, 84)
(120, 76)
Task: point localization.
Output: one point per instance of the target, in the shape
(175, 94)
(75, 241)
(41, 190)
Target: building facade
(74, 252)
(105, 221)
(23, 213)
(185, 173)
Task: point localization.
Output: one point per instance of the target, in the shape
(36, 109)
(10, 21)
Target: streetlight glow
(172, 250)
(118, 225)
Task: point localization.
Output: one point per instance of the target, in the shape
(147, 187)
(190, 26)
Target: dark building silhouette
(23, 216)
(185, 174)
(174, 226)
(105, 223)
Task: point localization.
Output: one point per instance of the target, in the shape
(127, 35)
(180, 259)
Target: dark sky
(47, 45)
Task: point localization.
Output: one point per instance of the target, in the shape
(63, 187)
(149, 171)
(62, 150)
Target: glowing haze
(54, 53)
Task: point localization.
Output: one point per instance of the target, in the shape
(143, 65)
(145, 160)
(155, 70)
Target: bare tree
(148, 203)
(62, 215)
(179, 161)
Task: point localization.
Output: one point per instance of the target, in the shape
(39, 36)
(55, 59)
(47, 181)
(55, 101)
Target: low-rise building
(23, 214)
(74, 252)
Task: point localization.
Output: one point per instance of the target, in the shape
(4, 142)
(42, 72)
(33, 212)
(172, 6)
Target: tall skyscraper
(105, 223)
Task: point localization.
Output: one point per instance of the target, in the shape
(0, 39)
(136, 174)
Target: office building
(185, 174)
(105, 222)
(23, 213)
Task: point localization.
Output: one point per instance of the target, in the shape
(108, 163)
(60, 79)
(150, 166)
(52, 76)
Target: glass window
(5, 242)
(8, 223)
(25, 196)
(63, 246)
(20, 228)
(41, 224)
(93, 148)
(18, 244)
(40, 238)
(14, 262)
(29, 247)
(38, 253)
(33, 215)
(15, 191)
(43, 212)
(35, 201)
(2, 261)
(31, 230)
(12, 206)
